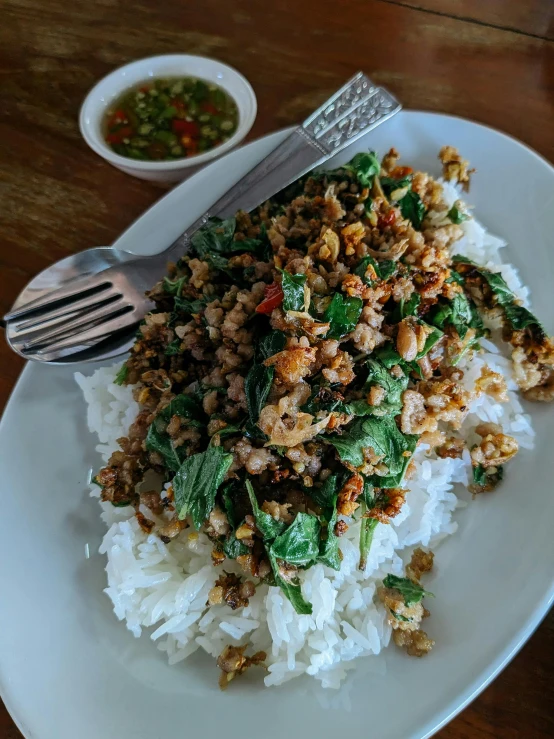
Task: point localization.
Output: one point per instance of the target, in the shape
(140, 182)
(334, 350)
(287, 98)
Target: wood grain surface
(489, 60)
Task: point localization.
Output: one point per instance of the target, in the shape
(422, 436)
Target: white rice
(165, 588)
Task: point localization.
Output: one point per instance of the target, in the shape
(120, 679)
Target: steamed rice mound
(315, 378)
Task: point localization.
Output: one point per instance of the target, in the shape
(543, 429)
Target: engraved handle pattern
(380, 106)
(355, 90)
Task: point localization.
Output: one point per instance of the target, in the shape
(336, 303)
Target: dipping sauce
(170, 118)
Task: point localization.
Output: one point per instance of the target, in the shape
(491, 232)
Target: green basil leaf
(518, 316)
(229, 430)
(351, 443)
(442, 315)
(329, 552)
(326, 495)
(410, 590)
(409, 307)
(384, 437)
(342, 314)
(174, 287)
(290, 589)
(362, 408)
(213, 238)
(462, 314)
(461, 310)
(299, 543)
(479, 475)
(481, 478)
(367, 529)
(221, 264)
(242, 245)
(122, 374)
(233, 547)
(412, 208)
(257, 385)
(406, 308)
(362, 268)
(157, 438)
(383, 270)
(173, 348)
(253, 431)
(196, 483)
(388, 355)
(322, 398)
(456, 215)
(434, 336)
(387, 267)
(499, 286)
(268, 527)
(455, 277)
(365, 166)
(367, 495)
(190, 307)
(293, 291)
(393, 386)
(228, 492)
(272, 343)
(465, 315)
(389, 184)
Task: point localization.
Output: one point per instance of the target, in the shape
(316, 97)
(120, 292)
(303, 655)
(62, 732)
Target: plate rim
(524, 630)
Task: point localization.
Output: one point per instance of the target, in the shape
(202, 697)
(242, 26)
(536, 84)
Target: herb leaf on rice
(196, 483)
(516, 315)
(411, 591)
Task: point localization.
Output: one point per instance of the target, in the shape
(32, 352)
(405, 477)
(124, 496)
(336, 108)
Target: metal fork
(83, 312)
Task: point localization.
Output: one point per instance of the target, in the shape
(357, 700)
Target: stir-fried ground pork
(232, 662)
(295, 359)
(401, 598)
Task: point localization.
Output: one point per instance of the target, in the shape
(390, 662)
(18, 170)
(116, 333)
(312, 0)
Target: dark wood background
(489, 60)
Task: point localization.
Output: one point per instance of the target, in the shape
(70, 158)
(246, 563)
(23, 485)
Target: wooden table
(489, 60)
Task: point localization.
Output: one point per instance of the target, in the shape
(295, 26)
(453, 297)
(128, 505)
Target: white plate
(68, 669)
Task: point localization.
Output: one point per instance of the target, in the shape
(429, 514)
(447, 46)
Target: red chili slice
(117, 136)
(189, 128)
(209, 108)
(179, 104)
(273, 297)
(117, 118)
(386, 220)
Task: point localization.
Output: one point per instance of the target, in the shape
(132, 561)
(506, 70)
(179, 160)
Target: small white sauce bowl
(104, 93)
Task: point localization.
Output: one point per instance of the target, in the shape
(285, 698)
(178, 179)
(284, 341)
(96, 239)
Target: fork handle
(351, 112)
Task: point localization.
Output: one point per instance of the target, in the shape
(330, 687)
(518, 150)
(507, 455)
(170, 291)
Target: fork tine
(90, 337)
(104, 313)
(97, 283)
(64, 313)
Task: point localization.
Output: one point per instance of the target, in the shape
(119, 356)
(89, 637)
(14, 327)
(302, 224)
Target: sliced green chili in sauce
(172, 118)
